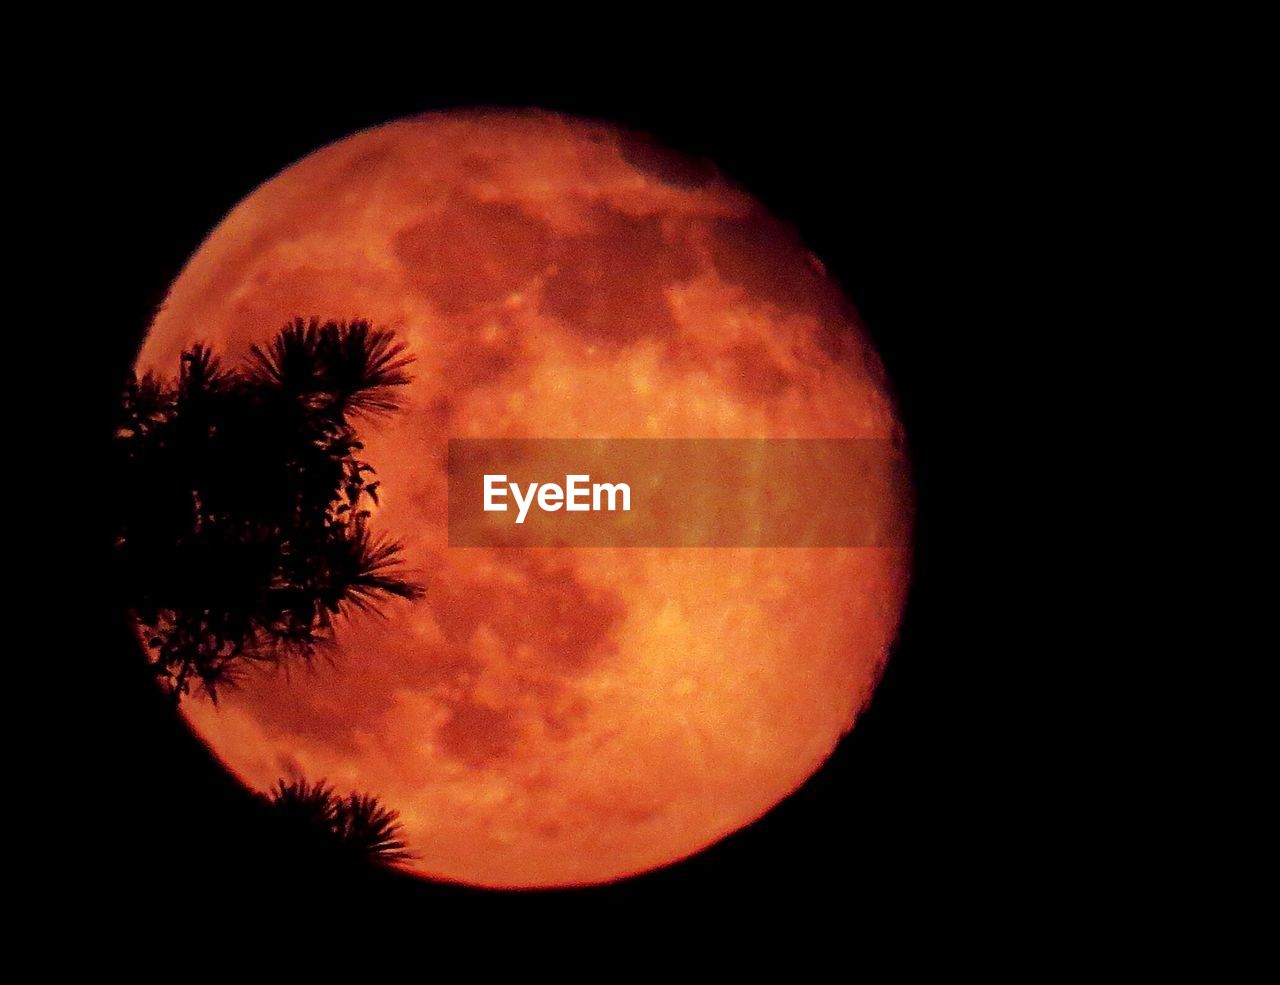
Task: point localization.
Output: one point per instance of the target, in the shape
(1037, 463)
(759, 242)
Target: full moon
(556, 716)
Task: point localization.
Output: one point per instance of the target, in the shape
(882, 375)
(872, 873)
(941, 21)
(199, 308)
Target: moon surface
(563, 716)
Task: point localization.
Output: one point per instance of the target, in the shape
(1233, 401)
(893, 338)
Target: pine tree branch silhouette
(244, 528)
(356, 828)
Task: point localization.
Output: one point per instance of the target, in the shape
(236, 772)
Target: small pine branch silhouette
(351, 368)
(357, 827)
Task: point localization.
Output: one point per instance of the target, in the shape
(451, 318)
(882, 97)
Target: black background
(888, 180)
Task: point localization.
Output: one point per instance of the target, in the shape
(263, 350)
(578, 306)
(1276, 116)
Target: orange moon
(566, 716)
